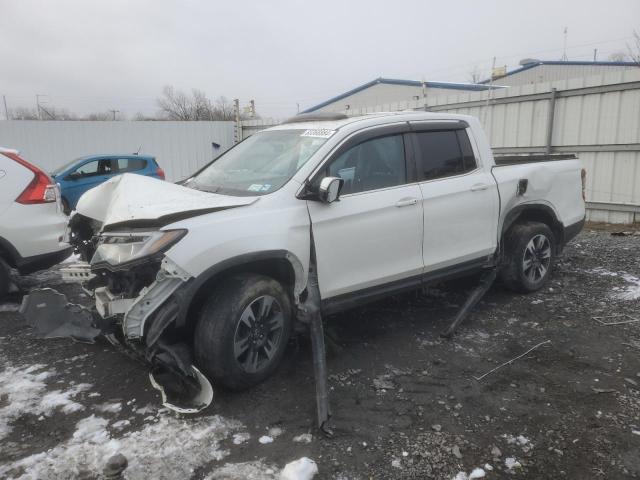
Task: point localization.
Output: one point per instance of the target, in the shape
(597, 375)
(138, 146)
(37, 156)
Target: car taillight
(160, 173)
(40, 190)
(583, 177)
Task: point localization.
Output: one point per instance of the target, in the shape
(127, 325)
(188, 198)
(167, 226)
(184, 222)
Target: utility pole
(236, 111)
(298, 108)
(252, 108)
(595, 54)
(38, 105)
(114, 113)
(564, 48)
(6, 110)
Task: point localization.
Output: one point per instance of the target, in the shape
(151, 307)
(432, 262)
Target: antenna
(564, 48)
(139, 148)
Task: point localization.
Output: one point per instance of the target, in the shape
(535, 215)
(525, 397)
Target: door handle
(405, 202)
(479, 186)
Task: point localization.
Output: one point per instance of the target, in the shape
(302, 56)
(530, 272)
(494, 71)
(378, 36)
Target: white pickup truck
(210, 275)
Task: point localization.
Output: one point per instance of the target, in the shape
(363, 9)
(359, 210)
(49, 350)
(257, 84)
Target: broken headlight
(119, 248)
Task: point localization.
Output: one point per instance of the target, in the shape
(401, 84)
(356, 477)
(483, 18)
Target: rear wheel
(529, 255)
(242, 331)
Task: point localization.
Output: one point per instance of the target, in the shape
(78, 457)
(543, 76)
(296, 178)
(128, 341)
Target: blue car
(84, 173)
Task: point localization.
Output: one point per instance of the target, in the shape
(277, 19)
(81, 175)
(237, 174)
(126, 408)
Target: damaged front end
(137, 292)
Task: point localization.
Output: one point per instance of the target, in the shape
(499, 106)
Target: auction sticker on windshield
(318, 133)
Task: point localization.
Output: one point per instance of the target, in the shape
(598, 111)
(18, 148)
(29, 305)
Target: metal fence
(179, 147)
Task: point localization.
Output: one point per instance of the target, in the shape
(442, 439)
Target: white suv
(31, 220)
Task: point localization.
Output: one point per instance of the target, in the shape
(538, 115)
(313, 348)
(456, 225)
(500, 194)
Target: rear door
(460, 197)
(372, 236)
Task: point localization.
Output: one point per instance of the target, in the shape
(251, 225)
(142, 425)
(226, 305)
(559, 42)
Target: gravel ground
(405, 402)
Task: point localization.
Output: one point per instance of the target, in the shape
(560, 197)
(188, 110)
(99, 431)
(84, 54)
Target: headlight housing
(122, 248)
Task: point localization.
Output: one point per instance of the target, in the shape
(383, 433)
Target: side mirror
(73, 176)
(329, 190)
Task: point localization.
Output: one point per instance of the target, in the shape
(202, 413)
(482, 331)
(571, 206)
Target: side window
(370, 165)
(95, 167)
(444, 154)
(467, 152)
(130, 164)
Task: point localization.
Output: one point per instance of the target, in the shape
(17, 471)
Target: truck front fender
(280, 264)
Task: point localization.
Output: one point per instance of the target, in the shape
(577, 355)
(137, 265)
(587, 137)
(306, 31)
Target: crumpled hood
(132, 198)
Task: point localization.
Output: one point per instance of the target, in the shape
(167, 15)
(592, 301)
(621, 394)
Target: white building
(389, 90)
(539, 71)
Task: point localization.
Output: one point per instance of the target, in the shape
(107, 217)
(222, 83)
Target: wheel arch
(537, 212)
(281, 265)
(8, 253)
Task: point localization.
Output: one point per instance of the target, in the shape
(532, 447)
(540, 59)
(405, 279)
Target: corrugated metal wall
(179, 147)
(596, 117)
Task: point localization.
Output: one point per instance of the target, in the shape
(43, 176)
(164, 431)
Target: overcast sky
(88, 55)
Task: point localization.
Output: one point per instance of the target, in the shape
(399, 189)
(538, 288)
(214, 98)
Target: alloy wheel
(536, 258)
(258, 334)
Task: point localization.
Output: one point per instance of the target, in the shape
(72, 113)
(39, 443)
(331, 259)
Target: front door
(372, 236)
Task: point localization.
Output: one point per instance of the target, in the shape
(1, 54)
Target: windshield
(64, 167)
(260, 164)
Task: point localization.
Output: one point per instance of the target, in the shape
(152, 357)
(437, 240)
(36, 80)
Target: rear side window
(371, 165)
(444, 154)
(131, 164)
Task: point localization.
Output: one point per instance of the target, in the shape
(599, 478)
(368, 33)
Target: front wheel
(242, 331)
(529, 254)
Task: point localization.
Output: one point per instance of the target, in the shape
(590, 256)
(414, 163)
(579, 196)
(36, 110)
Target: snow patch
(244, 471)
(265, 439)
(9, 307)
(24, 391)
(301, 469)
(109, 407)
(303, 438)
(632, 291)
(240, 438)
(167, 449)
(511, 463)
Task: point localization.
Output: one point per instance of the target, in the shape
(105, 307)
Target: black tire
(65, 207)
(5, 279)
(220, 331)
(529, 254)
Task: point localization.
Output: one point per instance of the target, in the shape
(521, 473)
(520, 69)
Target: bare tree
(174, 104)
(23, 113)
(634, 49)
(474, 75)
(97, 116)
(618, 56)
(177, 105)
(224, 109)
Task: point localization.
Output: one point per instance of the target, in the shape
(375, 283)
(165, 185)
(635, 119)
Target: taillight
(160, 173)
(583, 177)
(40, 190)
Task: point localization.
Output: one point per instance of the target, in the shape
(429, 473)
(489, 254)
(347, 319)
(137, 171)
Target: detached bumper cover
(184, 389)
